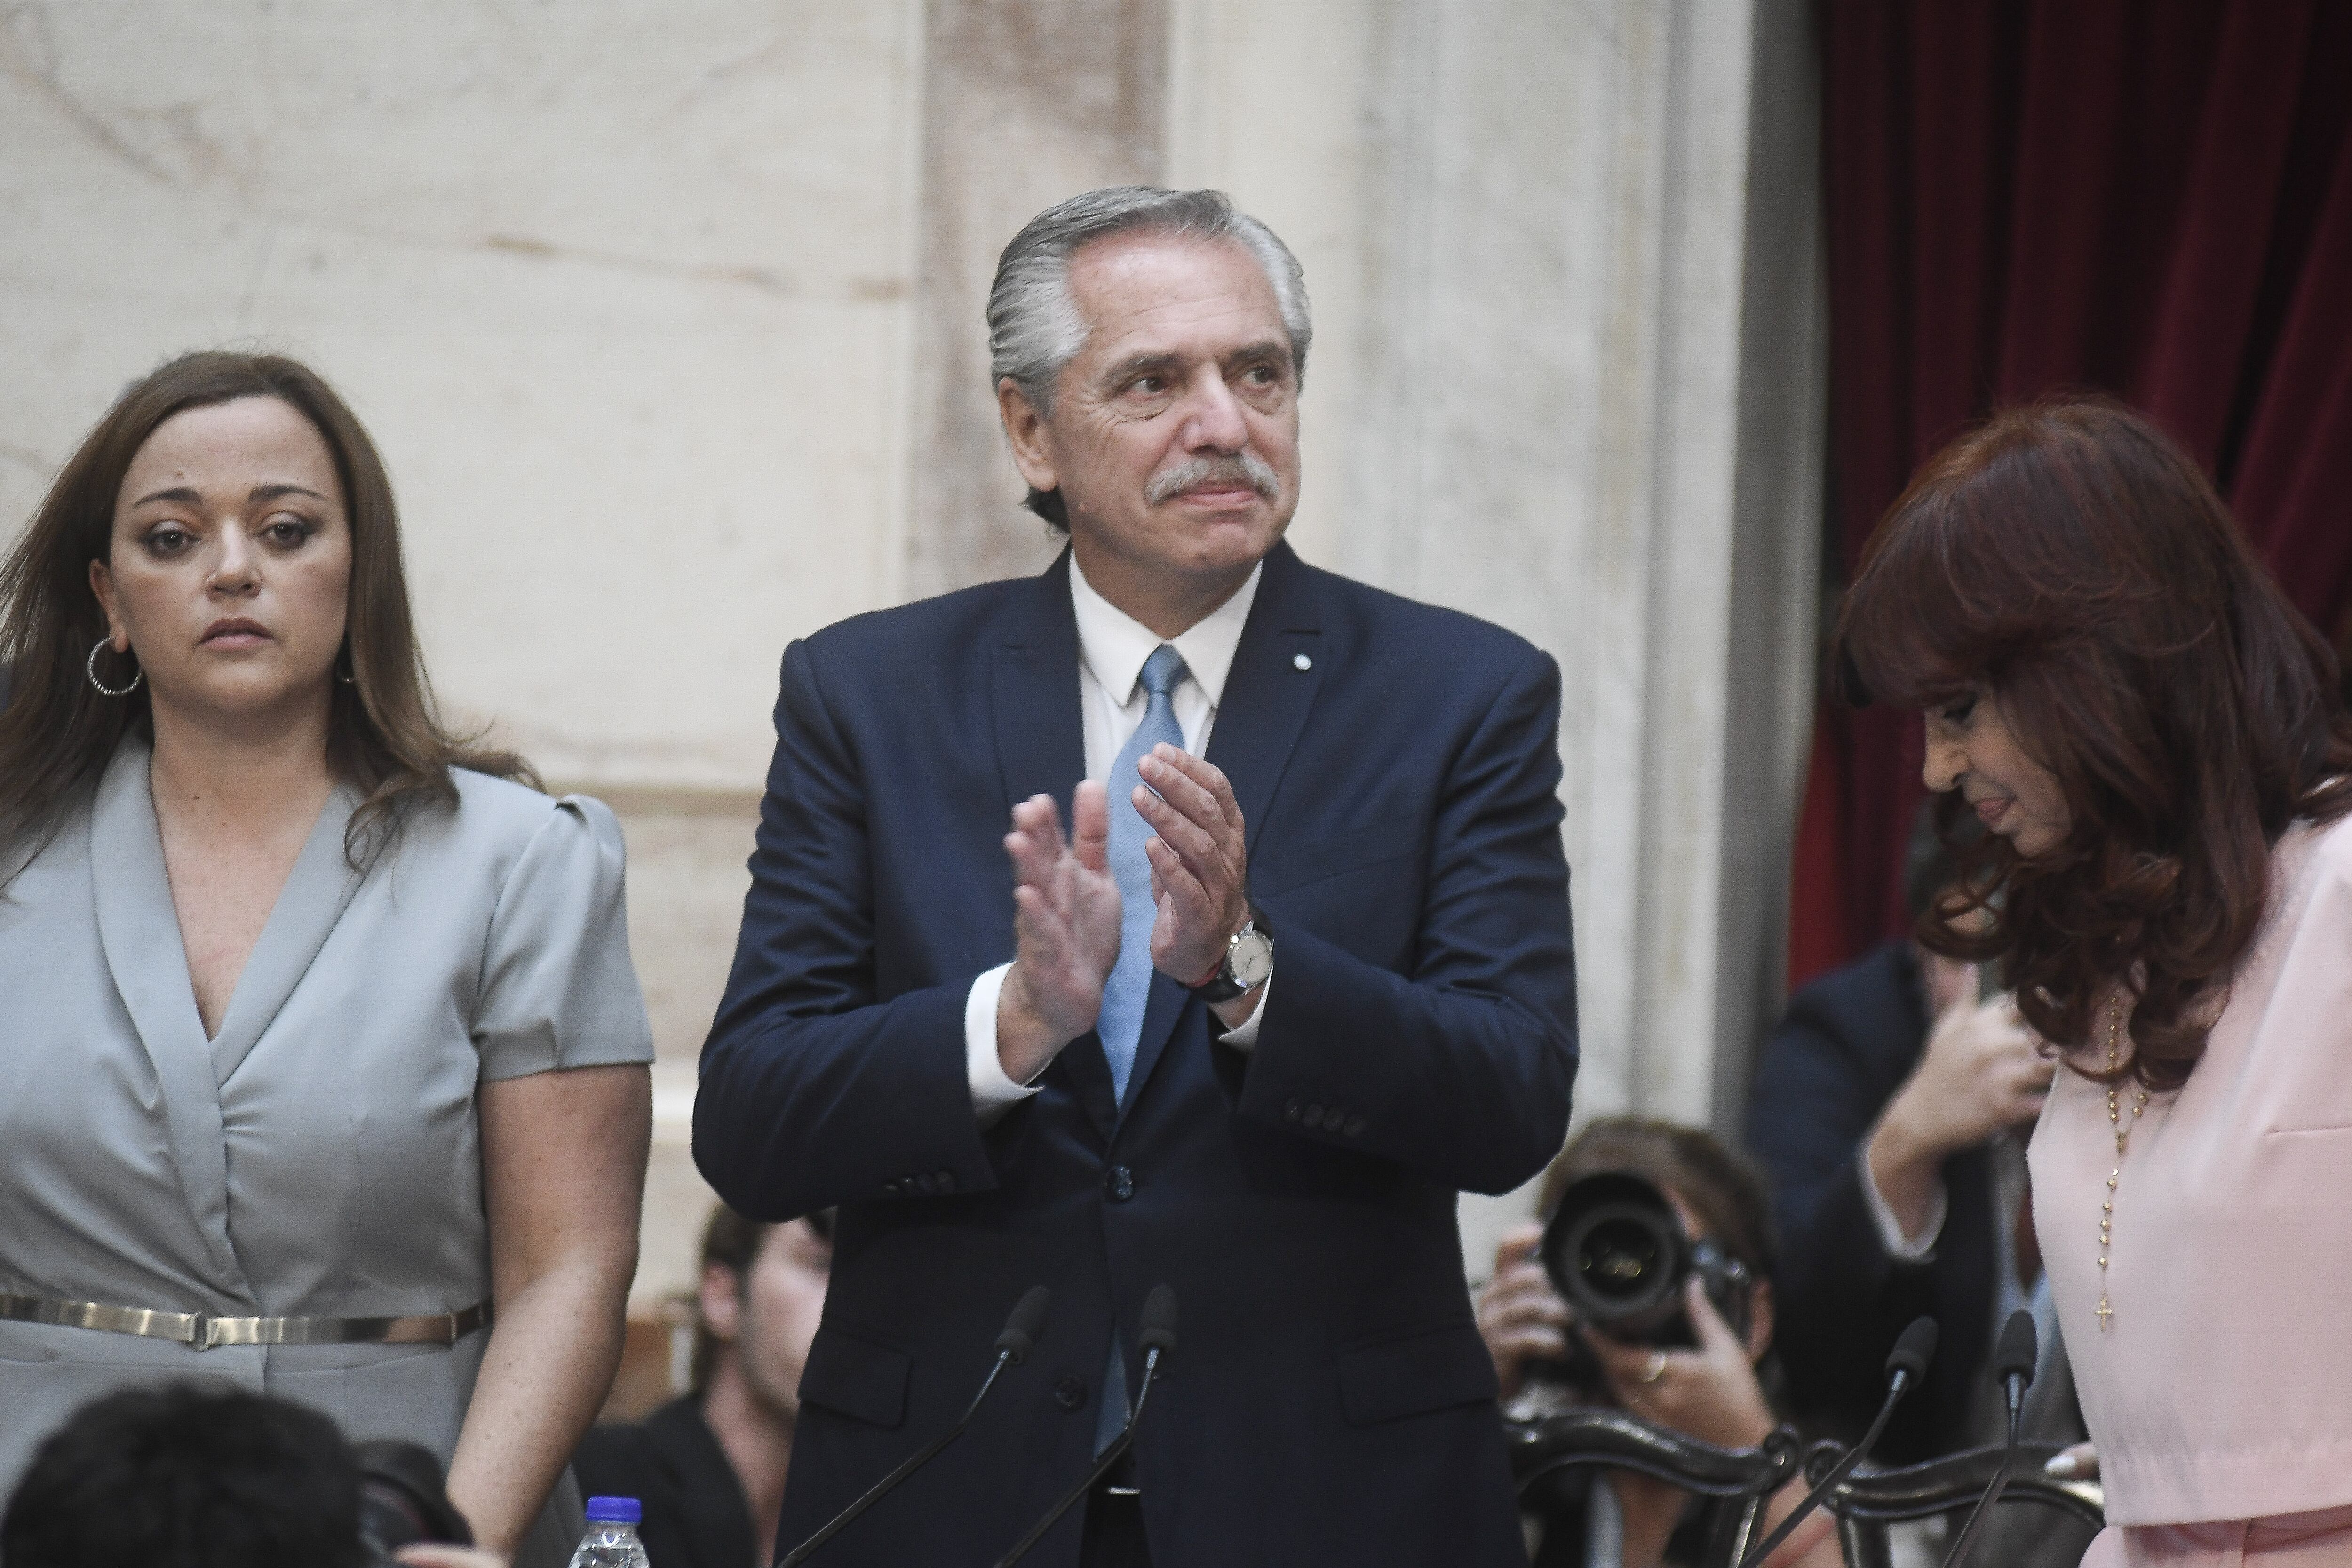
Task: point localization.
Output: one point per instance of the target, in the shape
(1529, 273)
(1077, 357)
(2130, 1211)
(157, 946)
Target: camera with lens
(1618, 1253)
(402, 1501)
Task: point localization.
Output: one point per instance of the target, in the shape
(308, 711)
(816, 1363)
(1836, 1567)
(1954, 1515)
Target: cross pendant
(2105, 1313)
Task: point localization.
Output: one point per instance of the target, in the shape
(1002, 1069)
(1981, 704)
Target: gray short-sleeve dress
(322, 1155)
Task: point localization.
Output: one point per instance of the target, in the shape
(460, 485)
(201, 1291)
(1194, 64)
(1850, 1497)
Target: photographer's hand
(1710, 1393)
(1520, 1316)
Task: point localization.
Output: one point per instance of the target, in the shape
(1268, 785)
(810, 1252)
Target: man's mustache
(1195, 473)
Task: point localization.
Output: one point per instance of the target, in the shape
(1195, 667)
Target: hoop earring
(103, 688)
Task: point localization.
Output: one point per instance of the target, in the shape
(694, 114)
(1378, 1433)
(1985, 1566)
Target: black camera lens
(1615, 1250)
(1618, 1253)
(1621, 1259)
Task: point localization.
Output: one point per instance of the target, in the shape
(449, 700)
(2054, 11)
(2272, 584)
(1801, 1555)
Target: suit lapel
(139, 929)
(1041, 741)
(1041, 748)
(1266, 703)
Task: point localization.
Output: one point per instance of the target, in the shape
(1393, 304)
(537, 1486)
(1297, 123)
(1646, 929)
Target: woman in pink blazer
(2157, 742)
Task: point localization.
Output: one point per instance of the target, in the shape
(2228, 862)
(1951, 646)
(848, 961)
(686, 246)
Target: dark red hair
(2070, 559)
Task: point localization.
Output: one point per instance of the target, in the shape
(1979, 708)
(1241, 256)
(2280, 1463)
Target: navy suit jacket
(1330, 1399)
(1847, 1044)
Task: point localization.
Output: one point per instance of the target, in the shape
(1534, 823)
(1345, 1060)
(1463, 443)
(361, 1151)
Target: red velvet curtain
(2149, 197)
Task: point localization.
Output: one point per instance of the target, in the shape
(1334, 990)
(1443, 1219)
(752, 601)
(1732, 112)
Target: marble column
(1567, 378)
(1025, 102)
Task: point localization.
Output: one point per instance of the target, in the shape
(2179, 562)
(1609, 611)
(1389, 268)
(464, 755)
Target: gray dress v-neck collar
(139, 929)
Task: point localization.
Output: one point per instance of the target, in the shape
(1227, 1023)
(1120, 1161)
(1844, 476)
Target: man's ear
(722, 1301)
(1024, 430)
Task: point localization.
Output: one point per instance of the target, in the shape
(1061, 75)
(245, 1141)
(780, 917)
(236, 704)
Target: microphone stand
(2013, 1361)
(1158, 1335)
(1013, 1348)
(1904, 1368)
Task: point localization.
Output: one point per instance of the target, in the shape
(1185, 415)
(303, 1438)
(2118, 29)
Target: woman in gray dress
(323, 1055)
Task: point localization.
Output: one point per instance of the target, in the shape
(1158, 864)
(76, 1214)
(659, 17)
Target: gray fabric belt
(202, 1330)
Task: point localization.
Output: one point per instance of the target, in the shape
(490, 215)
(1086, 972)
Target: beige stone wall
(666, 317)
(623, 292)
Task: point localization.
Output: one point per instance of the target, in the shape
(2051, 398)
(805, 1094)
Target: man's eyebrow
(1127, 370)
(1134, 365)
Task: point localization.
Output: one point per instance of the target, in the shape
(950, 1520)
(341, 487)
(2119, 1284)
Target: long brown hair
(384, 737)
(2072, 559)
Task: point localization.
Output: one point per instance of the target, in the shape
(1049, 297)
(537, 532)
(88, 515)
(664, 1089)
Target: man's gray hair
(1034, 325)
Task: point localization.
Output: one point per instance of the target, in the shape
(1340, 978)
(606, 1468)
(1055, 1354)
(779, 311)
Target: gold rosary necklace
(2123, 1131)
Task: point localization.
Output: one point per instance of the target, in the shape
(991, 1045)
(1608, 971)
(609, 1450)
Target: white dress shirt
(1112, 647)
(1904, 1248)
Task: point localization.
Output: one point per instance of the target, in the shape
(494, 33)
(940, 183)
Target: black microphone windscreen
(1159, 1321)
(1914, 1350)
(1021, 1328)
(2013, 1354)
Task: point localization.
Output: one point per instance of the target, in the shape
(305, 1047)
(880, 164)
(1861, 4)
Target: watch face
(1251, 959)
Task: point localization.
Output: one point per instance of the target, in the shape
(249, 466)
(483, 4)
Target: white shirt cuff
(1244, 1036)
(992, 1089)
(1902, 1249)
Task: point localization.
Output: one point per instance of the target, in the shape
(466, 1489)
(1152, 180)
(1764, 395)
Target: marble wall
(1567, 376)
(667, 321)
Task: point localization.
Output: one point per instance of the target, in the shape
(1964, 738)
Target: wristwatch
(1249, 959)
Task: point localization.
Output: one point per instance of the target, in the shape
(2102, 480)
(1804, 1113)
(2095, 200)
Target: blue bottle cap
(615, 1511)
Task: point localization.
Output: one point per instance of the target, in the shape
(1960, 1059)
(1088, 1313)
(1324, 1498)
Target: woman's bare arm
(563, 1168)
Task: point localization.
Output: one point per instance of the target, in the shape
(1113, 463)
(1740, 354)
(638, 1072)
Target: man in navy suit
(1298, 973)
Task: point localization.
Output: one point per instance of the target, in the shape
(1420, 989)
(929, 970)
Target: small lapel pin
(1300, 661)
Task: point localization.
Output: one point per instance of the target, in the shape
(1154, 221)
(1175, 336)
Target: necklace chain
(2123, 1131)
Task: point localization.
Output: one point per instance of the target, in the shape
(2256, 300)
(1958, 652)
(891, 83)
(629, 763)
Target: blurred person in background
(709, 1466)
(2156, 743)
(339, 1053)
(1715, 1391)
(186, 1477)
(1888, 1109)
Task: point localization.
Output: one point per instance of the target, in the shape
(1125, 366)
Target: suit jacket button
(1355, 1128)
(1120, 1183)
(1071, 1392)
(944, 1181)
(1290, 1111)
(1314, 1116)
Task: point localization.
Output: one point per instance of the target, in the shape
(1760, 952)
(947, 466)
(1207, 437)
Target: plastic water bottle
(612, 1539)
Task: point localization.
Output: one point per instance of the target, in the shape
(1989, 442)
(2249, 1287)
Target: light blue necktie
(1128, 985)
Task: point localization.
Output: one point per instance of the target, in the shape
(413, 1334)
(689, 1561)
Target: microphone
(1013, 1348)
(1157, 1339)
(2013, 1355)
(1905, 1365)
